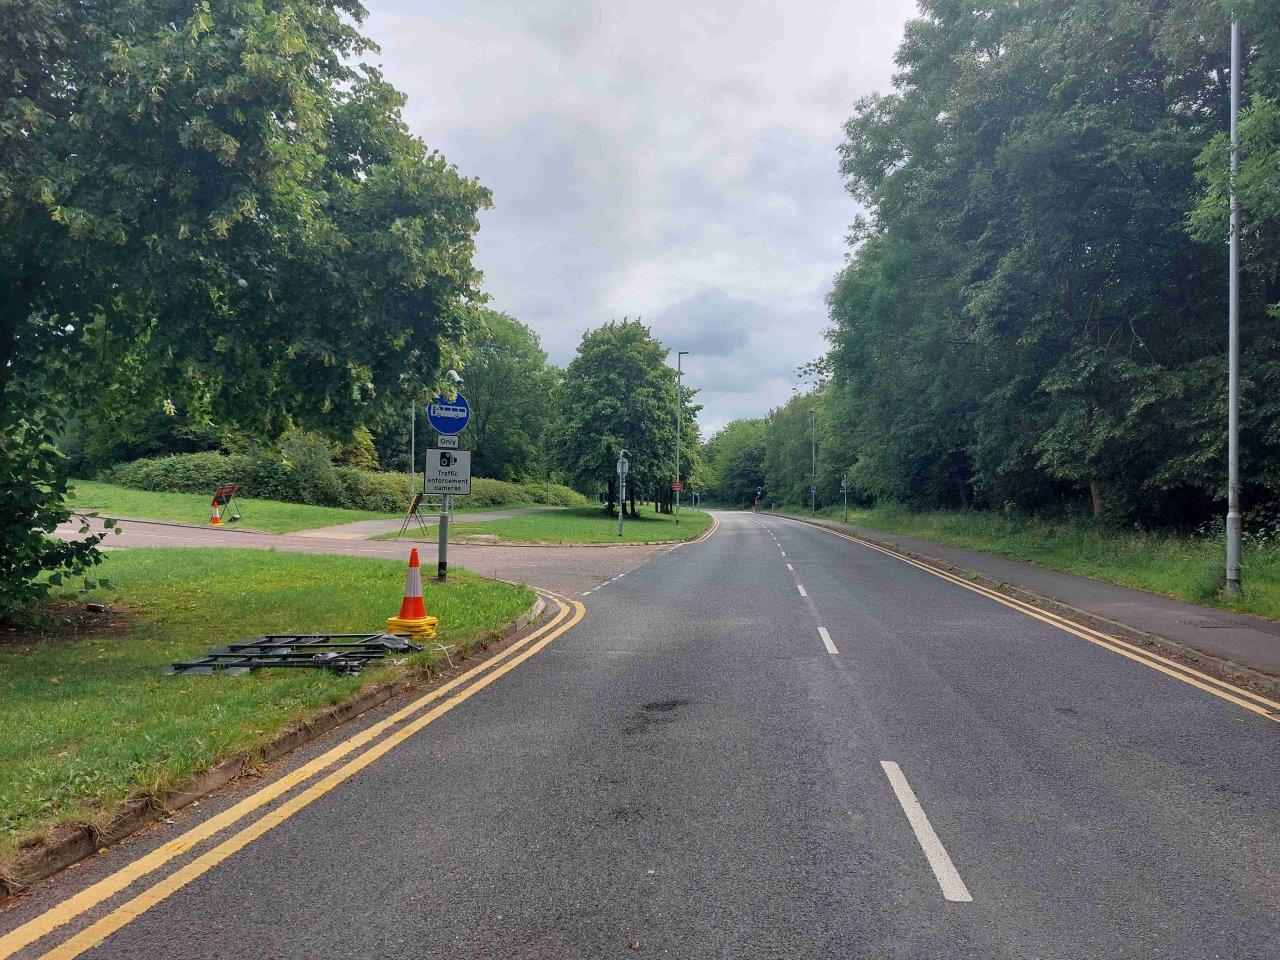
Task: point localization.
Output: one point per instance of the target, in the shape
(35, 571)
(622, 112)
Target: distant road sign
(447, 472)
(449, 416)
(677, 485)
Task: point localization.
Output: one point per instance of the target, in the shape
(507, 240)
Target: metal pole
(679, 410)
(442, 550)
(1233, 335)
(844, 488)
(622, 486)
(413, 453)
(813, 475)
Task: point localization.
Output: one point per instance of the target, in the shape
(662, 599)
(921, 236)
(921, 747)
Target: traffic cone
(216, 519)
(413, 618)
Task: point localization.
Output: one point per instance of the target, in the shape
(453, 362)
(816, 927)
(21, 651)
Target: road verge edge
(1219, 668)
(66, 845)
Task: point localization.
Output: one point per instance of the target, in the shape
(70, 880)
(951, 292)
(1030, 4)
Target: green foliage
(33, 489)
(509, 385)
(1026, 319)
(734, 461)
(88, 721)
(619, 393)
(213, 204)
(301, 473)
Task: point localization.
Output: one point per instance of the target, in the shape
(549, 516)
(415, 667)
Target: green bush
(302, 471)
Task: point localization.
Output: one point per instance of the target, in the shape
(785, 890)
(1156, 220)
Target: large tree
(510, 388)
(1027, 319)
(209, 202)
(618, 394)
(734, 459)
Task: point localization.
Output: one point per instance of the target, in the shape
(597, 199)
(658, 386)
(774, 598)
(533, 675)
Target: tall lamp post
(813, 452)
(680, 355)
(1233, 334)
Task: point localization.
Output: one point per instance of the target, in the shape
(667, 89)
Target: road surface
(773, 743)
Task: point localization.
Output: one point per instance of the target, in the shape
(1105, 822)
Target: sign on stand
(446, 442)
(447, 473)
(677, 485)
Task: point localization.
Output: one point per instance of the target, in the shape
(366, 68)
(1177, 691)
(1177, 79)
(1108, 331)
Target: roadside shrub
(302, 472)
(371, 490)
(553, 494)
(182, 472)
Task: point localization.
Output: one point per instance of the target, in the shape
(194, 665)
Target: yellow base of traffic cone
(424, 627)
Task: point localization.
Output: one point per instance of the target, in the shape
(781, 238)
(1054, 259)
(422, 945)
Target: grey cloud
(653, 158)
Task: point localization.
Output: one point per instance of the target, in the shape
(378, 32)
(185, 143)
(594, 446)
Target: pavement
(563, 568)
(1237, 637)
(364, 529)
(775, 742)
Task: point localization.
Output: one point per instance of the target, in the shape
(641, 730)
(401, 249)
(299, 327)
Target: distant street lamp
(680, 355)
(813, 450)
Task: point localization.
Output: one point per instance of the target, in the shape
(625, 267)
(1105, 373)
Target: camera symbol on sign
(447, 459)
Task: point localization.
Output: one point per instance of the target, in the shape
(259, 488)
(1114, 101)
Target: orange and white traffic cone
(216, 519)
(413, 618)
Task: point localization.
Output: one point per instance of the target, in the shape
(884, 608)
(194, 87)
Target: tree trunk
(1095, 493)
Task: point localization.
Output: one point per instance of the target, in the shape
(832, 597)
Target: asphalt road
(696, 770)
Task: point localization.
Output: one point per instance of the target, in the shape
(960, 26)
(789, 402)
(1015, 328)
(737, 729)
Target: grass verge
(588, 525)
(271, 516)
(89, 721)
(1188, 568)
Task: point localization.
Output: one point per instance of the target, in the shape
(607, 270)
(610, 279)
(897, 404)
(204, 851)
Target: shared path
(776, 742)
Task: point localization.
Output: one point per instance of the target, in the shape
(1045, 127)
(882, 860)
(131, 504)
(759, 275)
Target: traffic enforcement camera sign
(448, 472)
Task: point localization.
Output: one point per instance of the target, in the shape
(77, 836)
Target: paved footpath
(775, 743)
(364, 529)
(568, 569)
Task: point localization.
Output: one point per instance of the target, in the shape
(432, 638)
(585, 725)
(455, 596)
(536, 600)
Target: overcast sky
(674, 161)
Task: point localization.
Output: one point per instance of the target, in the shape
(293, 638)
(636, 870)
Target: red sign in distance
(677, 485)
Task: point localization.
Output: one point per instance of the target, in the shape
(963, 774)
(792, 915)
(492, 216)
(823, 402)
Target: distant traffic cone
(413, 618)
(216, 519)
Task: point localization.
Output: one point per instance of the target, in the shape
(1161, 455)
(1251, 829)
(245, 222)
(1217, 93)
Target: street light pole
(813, 474)
(1233, 335)
(623, 466)
(680, 355)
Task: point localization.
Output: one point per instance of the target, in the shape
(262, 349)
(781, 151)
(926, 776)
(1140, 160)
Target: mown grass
(272, 516)
(590, 525)
(1187, 567)
(89, 720)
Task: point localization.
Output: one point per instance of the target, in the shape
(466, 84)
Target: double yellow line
(569, 613)
(1255, 702)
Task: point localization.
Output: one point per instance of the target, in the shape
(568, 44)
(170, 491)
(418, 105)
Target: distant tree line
(1034, 312)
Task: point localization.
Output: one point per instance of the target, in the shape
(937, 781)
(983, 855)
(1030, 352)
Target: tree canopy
(619, 393)
(214, 204)
(510, 387)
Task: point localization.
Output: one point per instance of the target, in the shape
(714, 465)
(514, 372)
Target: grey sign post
(623, 466)
(447, 471)
(844, 490)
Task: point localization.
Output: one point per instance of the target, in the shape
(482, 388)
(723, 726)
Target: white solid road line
(953, 887)
(826, 640)
(800, 587)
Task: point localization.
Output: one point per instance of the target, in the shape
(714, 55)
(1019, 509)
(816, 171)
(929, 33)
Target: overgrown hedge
(301, 471)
